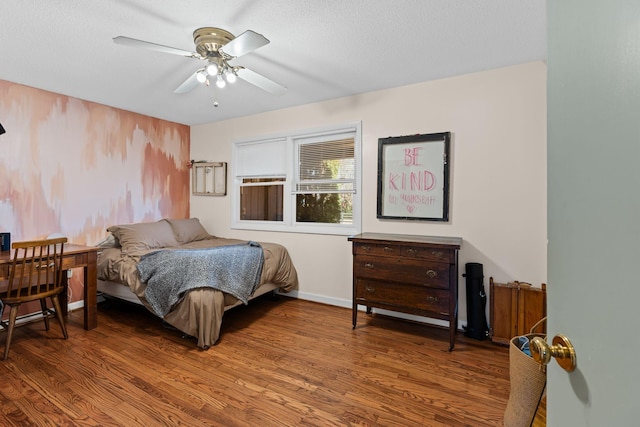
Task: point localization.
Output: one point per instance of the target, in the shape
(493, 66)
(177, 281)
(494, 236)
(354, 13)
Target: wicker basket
(528, 380)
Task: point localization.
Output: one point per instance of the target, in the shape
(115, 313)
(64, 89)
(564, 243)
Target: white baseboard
(37, 316)
(347, 304)
(75, 305)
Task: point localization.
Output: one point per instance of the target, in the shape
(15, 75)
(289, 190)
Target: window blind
(267, 158)
(326, 166)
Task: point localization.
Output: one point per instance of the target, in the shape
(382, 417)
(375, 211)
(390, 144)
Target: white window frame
(288, 224)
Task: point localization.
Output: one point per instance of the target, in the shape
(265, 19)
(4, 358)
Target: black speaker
(2, 129)
(476, 302)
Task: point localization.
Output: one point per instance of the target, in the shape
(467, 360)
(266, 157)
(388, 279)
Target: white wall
(498, 173)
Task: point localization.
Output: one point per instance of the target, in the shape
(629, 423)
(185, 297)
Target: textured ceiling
(320, 49)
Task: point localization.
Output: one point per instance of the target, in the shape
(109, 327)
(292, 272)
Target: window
(304, 182)
(325, 179)
(261, 199)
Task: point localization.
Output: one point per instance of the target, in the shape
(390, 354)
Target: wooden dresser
(410, 274)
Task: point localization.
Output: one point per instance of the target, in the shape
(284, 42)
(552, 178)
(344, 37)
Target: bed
(135, 260)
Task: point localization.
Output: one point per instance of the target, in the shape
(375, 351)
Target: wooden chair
(35, 274)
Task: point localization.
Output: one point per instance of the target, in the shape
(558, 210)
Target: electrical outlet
(69, 274)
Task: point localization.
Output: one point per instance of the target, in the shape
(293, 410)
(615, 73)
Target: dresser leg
(452, 338)
(368, 310)
(355, 315)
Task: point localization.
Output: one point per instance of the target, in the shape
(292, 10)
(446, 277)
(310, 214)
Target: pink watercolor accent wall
(75, 167)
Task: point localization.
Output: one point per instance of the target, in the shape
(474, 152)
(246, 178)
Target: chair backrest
(36, 269)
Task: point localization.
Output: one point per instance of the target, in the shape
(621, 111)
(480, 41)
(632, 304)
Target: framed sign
(413, 177)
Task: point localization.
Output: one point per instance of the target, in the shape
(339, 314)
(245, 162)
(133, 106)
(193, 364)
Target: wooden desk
(74, 256)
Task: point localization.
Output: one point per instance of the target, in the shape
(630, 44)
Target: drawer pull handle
(432, 274)
(412, 252)
(388, 249)
(368, 265)
(432, 299)
(437, 254)
(370, 289)
(366, 248)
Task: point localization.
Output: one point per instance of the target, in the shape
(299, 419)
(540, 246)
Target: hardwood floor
(282, 362)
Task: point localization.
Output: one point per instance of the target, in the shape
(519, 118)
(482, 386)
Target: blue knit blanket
(234, 269)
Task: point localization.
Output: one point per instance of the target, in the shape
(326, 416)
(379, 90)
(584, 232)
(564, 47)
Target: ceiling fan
(217, 47)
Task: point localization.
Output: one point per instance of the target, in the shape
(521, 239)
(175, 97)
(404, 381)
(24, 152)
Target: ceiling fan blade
(127, 41)
(245, 43)
(188, 84)
(261, 81)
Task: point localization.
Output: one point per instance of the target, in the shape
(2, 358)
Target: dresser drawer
(376, 249)
(402, 295)
(405, 270)
(429, 254)
(74, 261)
(426, 253)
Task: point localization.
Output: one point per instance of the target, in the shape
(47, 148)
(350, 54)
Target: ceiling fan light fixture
(220, 82)
(216, 46)
(231, 76)
(212, 68)
(201, 76)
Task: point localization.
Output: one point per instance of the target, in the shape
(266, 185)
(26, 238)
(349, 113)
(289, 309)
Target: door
(594, 209)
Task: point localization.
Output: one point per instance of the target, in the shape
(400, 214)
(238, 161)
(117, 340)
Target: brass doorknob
(562, 350)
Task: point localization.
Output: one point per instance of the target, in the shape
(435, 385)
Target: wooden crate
(515, 307)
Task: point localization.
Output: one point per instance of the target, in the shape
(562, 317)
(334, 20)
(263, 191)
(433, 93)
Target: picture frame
(413, 177)
(209, 178)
